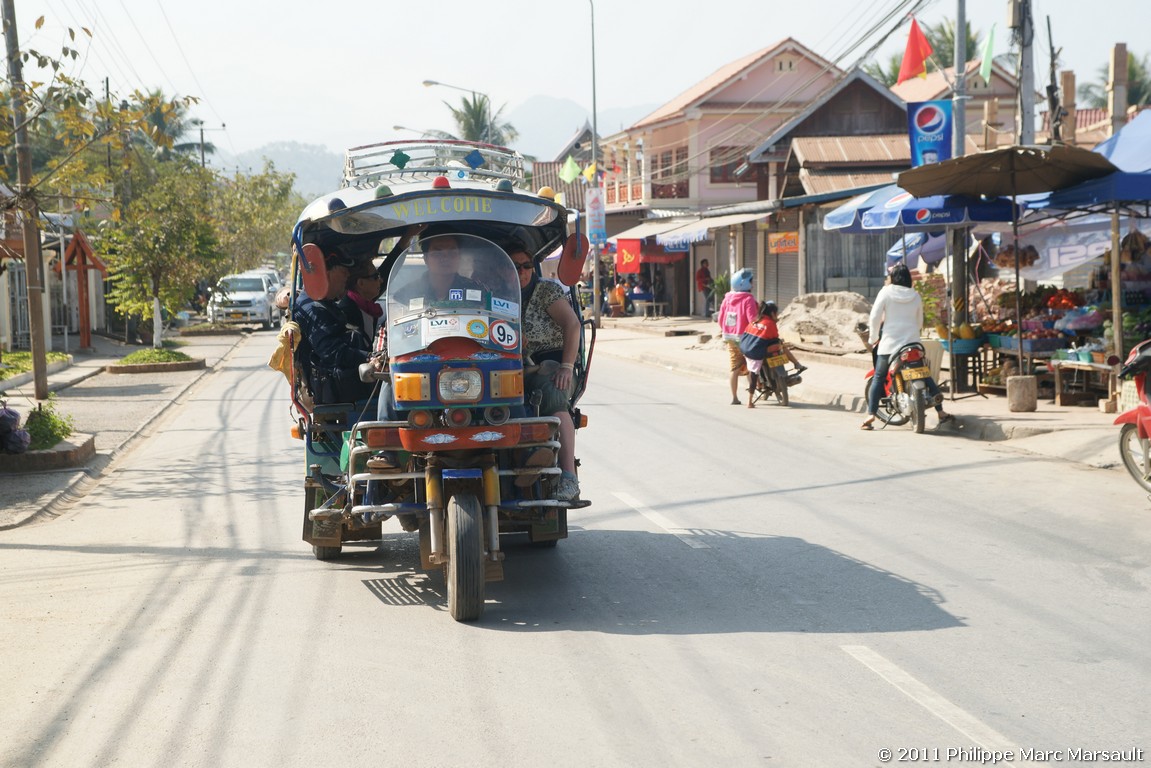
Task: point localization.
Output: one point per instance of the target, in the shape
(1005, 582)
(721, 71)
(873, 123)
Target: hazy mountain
(318, 169)
(545, 124)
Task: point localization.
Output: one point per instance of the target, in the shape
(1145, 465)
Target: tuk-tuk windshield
(453, 286)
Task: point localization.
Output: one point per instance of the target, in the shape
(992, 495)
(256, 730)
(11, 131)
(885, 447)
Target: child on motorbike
(760, 336)
(898, 310)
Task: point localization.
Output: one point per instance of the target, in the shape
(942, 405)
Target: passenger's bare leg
(567, 442)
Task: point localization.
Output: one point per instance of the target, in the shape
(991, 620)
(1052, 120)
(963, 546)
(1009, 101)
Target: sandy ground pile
(816, 320)
(825, 319)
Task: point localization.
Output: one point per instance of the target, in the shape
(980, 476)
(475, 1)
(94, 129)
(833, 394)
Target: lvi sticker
(505, 307)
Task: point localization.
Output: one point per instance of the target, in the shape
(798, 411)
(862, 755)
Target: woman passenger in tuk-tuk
(551, 334)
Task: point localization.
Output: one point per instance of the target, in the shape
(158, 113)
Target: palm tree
(1138, 84)
(476, 122)
(168, 122)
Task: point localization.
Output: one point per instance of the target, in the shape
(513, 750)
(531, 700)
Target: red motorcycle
(906, 394)
(1135, 434)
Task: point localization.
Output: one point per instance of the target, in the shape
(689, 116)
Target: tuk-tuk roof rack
(423, 160)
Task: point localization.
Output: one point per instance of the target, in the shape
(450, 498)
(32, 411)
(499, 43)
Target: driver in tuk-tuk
(442, 257)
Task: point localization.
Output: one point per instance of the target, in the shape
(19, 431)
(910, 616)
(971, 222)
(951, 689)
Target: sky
(344, 73)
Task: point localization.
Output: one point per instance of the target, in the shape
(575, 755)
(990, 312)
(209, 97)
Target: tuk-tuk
(448, 442)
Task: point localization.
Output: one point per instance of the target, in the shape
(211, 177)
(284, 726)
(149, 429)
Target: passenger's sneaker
(568, 487)
(382, 461)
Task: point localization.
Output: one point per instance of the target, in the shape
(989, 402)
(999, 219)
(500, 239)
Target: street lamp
(406, 128)
(595, 282)
(488, 127)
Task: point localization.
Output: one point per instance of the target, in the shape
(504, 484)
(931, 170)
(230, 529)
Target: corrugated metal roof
(823, 182)
(812, 151)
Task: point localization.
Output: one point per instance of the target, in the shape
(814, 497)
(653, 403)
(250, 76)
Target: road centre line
(661, 522)
(967, 724)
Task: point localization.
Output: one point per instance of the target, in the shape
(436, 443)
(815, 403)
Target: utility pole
(595, 281)
(30, 215)
(1021, 22)
(958, 284)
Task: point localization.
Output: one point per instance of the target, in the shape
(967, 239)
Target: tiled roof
(817, 182)
(725, 74)
(548, 175)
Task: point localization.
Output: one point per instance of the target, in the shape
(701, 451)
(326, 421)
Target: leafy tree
(164, 242)
(1094, 95)
(476, 122)
(252, 215)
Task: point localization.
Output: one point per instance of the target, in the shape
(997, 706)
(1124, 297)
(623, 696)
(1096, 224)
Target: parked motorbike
(1135, 432)
(905, 392)
(458, 450)
(773, 378)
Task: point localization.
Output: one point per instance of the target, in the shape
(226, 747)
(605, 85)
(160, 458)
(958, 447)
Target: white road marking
(662, 522)
(967, 724)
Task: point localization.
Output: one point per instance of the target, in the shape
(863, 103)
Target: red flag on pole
(915, 55)
(627, 253)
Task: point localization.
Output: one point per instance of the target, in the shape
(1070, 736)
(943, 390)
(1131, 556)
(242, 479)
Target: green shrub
(47, 426)
(145, 356)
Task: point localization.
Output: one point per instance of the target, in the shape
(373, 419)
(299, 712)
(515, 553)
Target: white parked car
(245, 298)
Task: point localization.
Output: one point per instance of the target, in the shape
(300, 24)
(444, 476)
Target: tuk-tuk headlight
(458, 386)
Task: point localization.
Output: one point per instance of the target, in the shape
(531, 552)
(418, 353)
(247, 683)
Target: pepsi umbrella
(936, 212)
(909, 249)
(846, 218)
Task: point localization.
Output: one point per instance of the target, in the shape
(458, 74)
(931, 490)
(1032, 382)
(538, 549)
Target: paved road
(748, 588)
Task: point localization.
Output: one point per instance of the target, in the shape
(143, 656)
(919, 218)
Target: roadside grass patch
(16, 363)
(147, 356)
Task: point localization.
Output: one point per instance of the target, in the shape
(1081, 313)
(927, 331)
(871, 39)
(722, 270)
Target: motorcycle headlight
(458, 386)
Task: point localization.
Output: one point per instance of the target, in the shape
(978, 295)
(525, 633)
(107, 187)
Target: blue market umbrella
(936, 212)
(847, 217)
(909, 249)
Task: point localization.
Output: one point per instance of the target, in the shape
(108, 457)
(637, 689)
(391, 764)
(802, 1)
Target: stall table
(1065, 397)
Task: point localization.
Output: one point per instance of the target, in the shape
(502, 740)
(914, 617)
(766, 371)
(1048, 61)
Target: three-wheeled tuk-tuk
(449, 442)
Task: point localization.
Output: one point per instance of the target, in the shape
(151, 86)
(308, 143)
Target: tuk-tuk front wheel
(464, 573)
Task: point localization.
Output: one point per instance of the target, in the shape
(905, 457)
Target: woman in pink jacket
(738, 309)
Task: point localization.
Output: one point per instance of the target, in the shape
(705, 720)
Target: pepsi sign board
(929, 127)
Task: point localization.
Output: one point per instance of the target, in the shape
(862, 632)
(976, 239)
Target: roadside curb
(182, 365)
(21, 379)
(66, 454)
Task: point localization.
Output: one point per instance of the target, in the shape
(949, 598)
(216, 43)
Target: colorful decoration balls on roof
(547, 192)
(336, 204)
(504, 185)
(441, 182)
(383, 191)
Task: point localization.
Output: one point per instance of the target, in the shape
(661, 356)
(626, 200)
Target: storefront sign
(783, 242)
(929, 127)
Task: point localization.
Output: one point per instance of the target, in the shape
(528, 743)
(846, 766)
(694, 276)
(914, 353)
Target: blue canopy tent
(913, 246)
(1122, 192)
(1128, 148)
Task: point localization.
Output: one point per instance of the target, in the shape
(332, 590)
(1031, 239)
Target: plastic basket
(994, 340)
(1032, 345)
(962, 346)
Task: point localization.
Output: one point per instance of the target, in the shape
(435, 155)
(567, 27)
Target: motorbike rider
(898, 311)
(760, 336)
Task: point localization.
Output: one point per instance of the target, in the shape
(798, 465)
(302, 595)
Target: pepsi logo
(898, 201)
(930, 119)
(922, 216)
